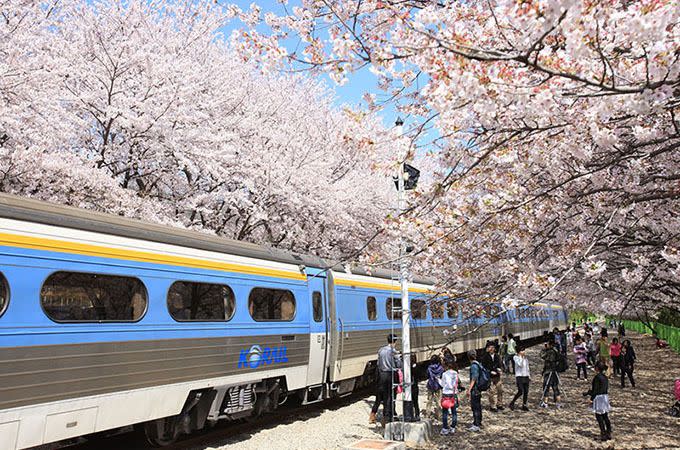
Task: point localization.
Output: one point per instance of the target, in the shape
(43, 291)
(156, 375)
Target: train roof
(26, 209)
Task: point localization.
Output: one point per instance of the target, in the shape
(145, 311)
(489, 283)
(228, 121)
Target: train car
(107, 322)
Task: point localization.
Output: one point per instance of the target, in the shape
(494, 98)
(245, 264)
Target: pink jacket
(580, 351)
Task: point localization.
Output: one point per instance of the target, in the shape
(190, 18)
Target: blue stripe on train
(24, 322)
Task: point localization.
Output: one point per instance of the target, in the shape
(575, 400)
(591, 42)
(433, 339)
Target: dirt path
(639, 417)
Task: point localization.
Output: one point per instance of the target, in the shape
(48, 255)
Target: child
(449, 402)
(580, 353)
(600, 400)
(434, 390)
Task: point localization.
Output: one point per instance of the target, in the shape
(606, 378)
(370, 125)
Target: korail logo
(257, 356)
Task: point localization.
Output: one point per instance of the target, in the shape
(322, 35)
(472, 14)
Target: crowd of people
(588, 346)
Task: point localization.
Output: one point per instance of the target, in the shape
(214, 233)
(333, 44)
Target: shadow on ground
(639, 418)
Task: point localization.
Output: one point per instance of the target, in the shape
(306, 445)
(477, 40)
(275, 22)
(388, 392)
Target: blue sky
(350, 93)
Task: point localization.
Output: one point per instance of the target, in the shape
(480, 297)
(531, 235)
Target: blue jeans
(454, 416)
(476, 405)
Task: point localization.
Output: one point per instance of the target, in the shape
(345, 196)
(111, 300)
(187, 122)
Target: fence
(665, 332)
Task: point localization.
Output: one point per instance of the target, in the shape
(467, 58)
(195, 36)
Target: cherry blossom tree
(143, 109)
(557, 139)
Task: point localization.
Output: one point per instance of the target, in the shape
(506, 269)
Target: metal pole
(405, 307)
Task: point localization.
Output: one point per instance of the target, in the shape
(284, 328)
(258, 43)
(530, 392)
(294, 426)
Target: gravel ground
(639, 418)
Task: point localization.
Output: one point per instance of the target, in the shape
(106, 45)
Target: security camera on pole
(407, 178)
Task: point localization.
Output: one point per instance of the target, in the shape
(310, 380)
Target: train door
(318, 329)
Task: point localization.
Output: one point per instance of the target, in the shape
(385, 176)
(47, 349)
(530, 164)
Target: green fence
(665, 332)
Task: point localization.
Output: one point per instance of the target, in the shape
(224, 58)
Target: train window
(393, 308)
(4, 294)
(495, 311)
(437, 309)
(418, 309)
(317, 306)
(89, 297)
(266, 304)
(203, 302)
(452, 310)
(371, 308)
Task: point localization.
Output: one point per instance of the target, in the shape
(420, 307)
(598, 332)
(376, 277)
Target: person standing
(512, 351)
(388, 363)
(447, 356)
(622, 329)
(580, 353)
(570, 338)
(449, 402)
(474, 393)
(628, 363)
(522, 379)
(603, 347)
(503, 352)
(492, 362)
(551, 378)
(434, 392)
(600, 400)
(590, 346)
(615, 354)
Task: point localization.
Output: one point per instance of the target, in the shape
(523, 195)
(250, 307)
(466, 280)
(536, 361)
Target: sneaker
(473, 428)
(511, 406)
(493, 409)
(558, 405)
(453, 430)
(524, 408)
(544, 405)
(501, 407)
(444, 432)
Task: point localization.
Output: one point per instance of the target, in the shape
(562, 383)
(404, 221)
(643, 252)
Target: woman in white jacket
(522, 379)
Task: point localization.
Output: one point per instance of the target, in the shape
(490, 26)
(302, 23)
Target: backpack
(677, 389)
(434, 372)
(675, 410)
(483, 379)
(562, 363)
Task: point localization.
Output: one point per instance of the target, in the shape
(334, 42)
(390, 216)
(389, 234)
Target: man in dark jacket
(492, 362)
(551, 378)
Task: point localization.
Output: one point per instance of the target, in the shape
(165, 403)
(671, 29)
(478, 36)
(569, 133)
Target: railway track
(221, 432)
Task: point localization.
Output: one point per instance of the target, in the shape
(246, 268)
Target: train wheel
(161, 432)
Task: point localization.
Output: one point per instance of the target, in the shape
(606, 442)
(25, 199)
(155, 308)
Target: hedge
(665, 332)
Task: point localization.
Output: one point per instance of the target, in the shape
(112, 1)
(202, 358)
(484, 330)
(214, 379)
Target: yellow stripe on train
(55, 245)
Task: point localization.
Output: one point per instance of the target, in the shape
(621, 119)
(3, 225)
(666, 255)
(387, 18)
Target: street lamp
(407, 179)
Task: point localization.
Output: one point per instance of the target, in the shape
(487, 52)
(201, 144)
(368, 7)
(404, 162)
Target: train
(108, 322)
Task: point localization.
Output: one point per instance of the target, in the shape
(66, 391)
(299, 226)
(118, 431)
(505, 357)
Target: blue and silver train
(107, 322)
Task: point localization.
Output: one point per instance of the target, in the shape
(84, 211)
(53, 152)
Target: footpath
(639, 417)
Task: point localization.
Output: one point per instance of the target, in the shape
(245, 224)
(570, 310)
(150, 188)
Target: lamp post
(407, 177)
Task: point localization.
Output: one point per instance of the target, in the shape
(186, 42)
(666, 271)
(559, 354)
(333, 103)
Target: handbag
(448, 402)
